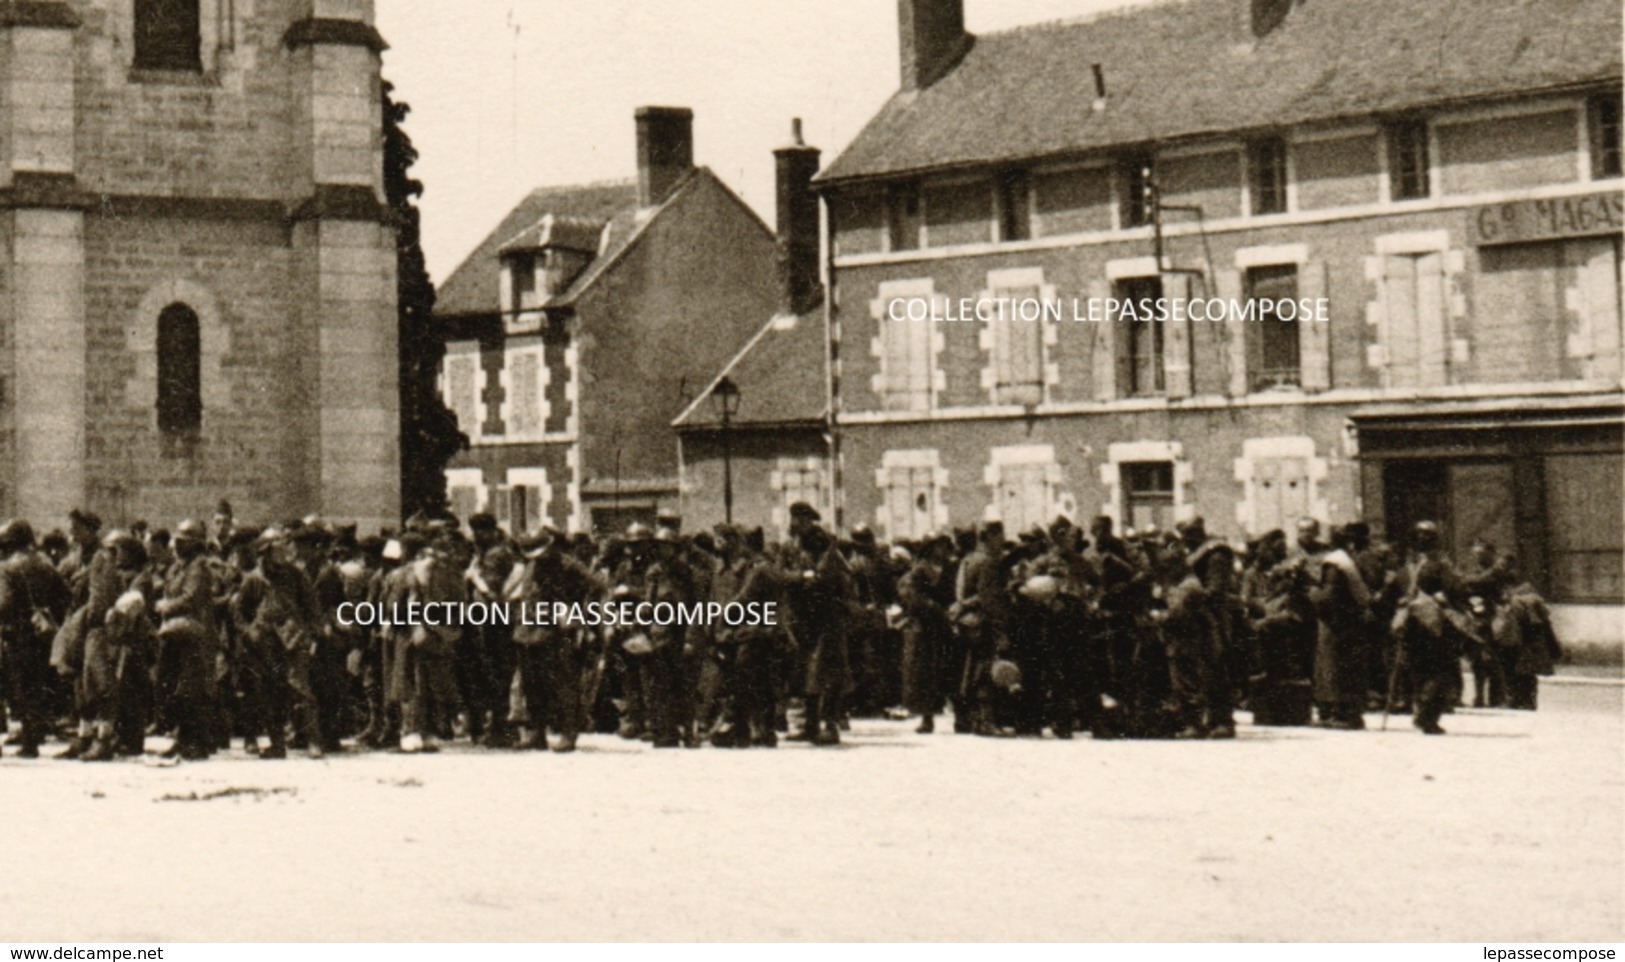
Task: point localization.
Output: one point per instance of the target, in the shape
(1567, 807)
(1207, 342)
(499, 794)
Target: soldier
(982, 612)
(425, 652)
(1205, 627)
(189, 644)
(552, 657)
(1483, 584)
(1275, 590)
(822, 624)
(1430, 641)
(33, 604)
(1342, 604)
(276, 617)
(925, 592)
(746, 652)
(489, 649)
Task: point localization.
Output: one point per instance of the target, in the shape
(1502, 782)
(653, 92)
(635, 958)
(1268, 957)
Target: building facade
(584, 324)
(198, 268)
(1445, 193)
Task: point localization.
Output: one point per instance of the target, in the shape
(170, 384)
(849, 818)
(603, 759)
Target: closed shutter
(1176, 347)
(462, 391)
(1314, 340)
(1018, 352)
(525, 407)
(1235, 332)
(1103, 350)
(1023, 496)
(1280, 493)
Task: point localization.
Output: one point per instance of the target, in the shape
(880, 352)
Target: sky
(511, 95)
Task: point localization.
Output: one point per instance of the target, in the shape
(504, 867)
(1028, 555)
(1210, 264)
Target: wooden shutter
(1235, 332)
(1314, 337)
(1176, 343)
(525, 407)
(1103, 351)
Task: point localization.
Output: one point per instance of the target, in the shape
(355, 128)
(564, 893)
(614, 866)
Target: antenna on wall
(513, 92)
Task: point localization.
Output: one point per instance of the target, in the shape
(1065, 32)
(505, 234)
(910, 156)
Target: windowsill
(173, 78)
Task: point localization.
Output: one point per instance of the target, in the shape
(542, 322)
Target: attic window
(903, 217)
(1603, 121)
(1138, 201)
(1408, 159)
(1266, 164)
(523, 269)
(1015, 205)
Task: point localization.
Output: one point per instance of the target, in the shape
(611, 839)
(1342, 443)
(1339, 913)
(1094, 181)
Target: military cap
(535, 544)
(802, 511)
(638, 531)
(191, 530)
(87, 518)
(482, 521)
(16, 534)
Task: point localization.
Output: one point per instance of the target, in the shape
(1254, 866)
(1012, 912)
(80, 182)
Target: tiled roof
(1189, 68)
(473, 287)
(779, 373)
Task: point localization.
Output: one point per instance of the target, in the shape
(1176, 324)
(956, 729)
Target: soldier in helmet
(553, 654)
(33, 604)
(189, 644)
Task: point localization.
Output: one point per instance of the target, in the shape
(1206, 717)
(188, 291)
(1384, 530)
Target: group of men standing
(206, 634)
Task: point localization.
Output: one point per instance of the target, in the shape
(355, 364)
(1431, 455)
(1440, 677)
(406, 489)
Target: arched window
(167, 35)
(180, 388)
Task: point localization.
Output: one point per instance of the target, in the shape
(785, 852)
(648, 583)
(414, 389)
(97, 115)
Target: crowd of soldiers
(204, 634)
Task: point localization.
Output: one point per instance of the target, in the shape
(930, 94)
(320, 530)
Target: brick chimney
(665, 151)
(931, 38)
(795, 165)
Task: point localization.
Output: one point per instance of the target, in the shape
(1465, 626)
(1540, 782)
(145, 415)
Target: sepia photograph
(510, 472)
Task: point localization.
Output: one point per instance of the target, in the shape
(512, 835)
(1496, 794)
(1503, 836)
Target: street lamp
(725, 395)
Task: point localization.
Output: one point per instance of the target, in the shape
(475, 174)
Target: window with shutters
(911, 485)
(180, 373)
(1017, 348)
(1547, 311)
(907, 364)
(1023, 496)
(168, 35)
(1148, 493)
(1415, 328)
(1141, 363)
(460, 389)
(1280, 493)
(525, 411)
(1273, 352)
(1408, 165)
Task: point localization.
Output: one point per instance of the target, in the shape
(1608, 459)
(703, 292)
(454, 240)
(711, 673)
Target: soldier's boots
(75, 749)
(101, 750)
(566, 744)
(276, 751)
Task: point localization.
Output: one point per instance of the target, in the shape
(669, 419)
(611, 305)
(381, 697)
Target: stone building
(774, 449)
(1446, 177)
(198, 271)
(584, 323)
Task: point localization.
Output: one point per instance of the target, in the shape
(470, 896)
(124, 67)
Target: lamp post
(725, 395)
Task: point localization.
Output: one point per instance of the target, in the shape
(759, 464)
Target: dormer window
(522, 268)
